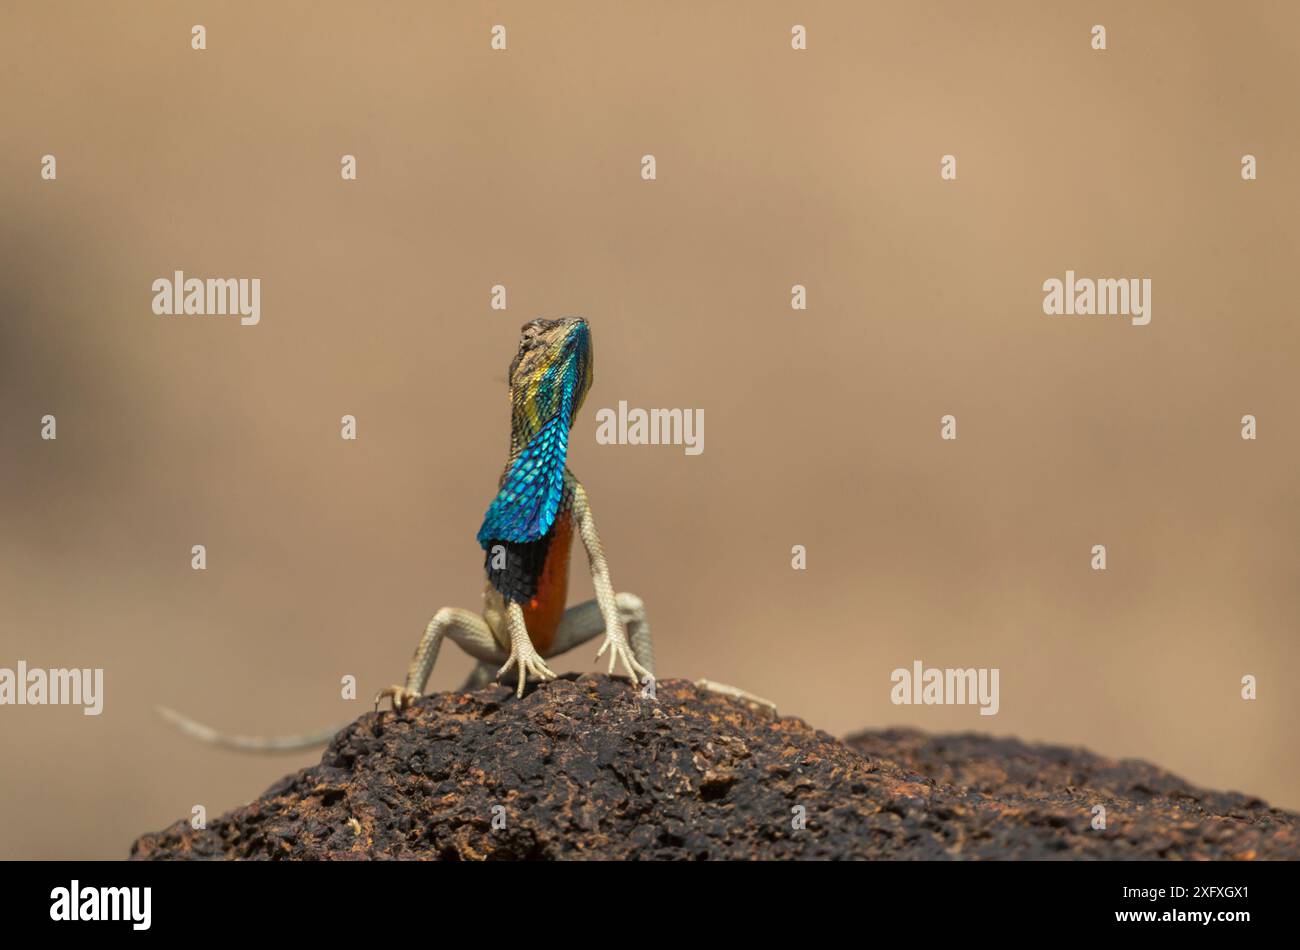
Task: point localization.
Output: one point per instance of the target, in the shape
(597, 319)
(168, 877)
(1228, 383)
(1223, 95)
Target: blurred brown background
(822, 428)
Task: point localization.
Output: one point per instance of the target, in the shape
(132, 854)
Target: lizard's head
(549, 378)
(551, 373)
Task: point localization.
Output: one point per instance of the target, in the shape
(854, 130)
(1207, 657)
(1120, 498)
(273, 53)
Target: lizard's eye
(527, 336)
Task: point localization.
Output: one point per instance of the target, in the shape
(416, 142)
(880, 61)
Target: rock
(585, 767)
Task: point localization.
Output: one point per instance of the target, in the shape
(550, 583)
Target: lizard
(526, 535)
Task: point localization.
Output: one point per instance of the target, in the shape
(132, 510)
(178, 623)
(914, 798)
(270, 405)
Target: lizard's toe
(400, 697)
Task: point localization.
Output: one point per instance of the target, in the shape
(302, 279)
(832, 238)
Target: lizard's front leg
(464, 627)
(523, 655)
(616, 641)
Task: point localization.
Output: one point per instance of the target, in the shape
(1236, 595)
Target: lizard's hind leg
(482, 675)
(466, 628)
(583, 622)
(632, 609)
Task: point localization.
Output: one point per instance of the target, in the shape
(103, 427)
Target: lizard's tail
(267, 744)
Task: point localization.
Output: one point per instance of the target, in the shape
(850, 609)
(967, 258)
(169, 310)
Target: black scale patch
(517, 580)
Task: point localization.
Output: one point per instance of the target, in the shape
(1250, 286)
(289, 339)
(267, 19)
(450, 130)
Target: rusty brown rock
(585, 767)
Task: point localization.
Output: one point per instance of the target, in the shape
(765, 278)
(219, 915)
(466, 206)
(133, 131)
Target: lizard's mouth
(578, 355)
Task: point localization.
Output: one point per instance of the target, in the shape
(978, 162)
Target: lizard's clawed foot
(400, 696)
(528, 661)
(622, 652)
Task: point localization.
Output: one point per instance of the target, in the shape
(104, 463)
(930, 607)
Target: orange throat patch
(543, 611)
